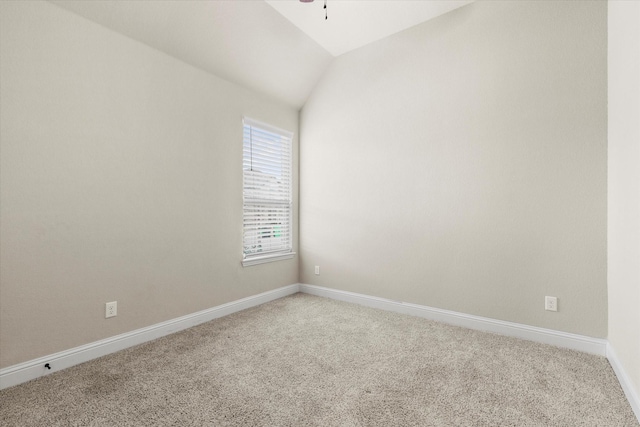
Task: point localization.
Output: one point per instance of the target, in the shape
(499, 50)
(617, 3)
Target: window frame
(253, 205)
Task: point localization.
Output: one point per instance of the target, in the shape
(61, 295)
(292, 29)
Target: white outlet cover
(551, 303)
(111, 309)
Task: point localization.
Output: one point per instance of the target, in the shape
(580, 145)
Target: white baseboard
(546, 336)
(627, 386)
(23, 372)
(17, 374)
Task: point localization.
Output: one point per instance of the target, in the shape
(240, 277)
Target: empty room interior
(331, 213)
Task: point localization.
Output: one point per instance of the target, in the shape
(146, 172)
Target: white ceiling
(355, 23)
(245, 42)
(279, 48)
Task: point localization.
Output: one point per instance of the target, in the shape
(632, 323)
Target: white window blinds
(267, 209)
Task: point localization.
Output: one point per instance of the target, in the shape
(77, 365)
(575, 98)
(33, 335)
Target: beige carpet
(310, 361)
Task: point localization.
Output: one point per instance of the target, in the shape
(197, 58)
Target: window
(267, 208)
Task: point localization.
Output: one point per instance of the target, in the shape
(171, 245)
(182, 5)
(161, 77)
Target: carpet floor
(310, 361)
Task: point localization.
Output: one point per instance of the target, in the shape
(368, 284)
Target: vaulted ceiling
(278, 48)
(355, 23)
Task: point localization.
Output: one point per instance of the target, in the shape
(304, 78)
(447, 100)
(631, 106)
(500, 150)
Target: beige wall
(624, 187)
(462, 164)
(121, 180)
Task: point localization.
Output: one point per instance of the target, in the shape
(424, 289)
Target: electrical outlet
(551, 303)
(111, 309)
(317, 270)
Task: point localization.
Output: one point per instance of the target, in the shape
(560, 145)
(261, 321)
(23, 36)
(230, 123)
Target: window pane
(267, 211)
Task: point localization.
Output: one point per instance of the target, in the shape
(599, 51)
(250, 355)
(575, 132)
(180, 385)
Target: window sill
(266, 258)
